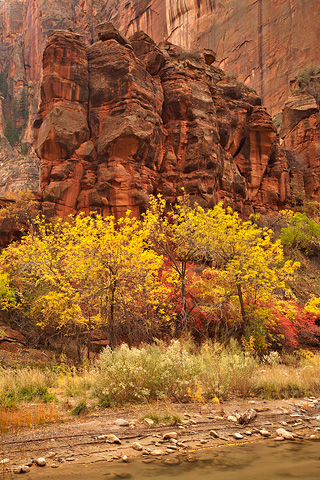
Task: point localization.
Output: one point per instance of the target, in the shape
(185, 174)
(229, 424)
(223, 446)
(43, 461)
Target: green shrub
(80, 408)
(175, 372)
(3, 84)
(24, 149)
(301, 233)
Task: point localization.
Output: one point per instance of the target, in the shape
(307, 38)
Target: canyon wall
(124, 118)
(263, 42)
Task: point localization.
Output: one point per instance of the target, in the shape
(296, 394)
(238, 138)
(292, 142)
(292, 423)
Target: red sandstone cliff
(122, 119)
(300, 133)
(264, 43)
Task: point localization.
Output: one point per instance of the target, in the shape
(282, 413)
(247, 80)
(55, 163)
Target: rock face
(125, 118)
(300, 134)
(264, 43)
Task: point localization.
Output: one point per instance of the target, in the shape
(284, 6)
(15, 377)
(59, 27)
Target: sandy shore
(75, 445)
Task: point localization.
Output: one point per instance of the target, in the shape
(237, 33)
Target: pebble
(170, 435)
(248, 432)
(137, 446)
(4, 461)
(121, 422)
(41, 462)
(172, 447)
(171, 461)
(213, 434)
(113, 439)
(148, 421)
(313, 436)
(279, 439)
(155, 453)
(50, 454)
(264, 433)
(203, 441)
(247, 416)
(54, 465)
(232, 418)
(22, 469)
(125, 459)
(238, 435)
(281, 432)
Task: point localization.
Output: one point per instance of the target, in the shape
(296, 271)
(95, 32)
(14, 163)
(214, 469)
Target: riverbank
(121, 434)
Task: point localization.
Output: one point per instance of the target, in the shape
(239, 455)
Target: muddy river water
(263, 461)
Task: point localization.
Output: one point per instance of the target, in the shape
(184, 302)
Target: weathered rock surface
(17, 172)
(263, 43)
(300, 134)
(109, 133)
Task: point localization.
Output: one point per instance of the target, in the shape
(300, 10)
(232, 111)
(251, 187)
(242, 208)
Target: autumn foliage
(176, 269)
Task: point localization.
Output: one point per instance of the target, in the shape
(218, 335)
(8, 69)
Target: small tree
(248, 264)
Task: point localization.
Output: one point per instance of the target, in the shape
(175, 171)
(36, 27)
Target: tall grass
(179, 371)
(28, 416)
(285, 381)
(25, 384)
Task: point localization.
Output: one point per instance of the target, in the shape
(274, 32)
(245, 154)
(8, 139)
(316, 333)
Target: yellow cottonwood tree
(114, 263)
(86, 271)
(250, 264)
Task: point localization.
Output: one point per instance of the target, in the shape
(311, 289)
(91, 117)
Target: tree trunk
(184, 312)
(243, 313)
(129, 331)
(89, 339)
(112, 334)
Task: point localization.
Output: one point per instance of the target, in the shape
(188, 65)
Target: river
(262, 461)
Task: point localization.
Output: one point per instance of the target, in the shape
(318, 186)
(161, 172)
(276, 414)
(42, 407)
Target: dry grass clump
(286, 381)
(28, 416)
(176, 372)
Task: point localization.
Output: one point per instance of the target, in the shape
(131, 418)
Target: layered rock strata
(125, 118)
